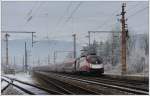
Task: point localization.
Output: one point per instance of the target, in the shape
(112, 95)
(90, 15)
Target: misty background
(54, 23)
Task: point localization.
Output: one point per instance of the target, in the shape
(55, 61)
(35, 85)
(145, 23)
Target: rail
(121, 88)
(10, 81)
(66, 87)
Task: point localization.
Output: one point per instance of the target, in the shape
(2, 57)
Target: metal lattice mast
(123, 40)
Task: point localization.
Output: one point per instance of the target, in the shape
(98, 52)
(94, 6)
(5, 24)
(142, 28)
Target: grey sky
(50, 18)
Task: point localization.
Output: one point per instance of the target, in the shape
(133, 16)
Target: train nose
(97, 71)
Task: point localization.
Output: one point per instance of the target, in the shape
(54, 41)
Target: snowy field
(117, 71)
(22, 77)
(13, 90)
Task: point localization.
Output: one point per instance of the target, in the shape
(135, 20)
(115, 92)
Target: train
(92, 64)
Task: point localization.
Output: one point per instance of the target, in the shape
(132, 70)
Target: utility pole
(54, 57)
(112, 59)
(74, 45)
(74, 39)
(55, 60)
(32, 39)
(33, 62)
(26, 59)
(7, 35)
(23, 66)
(7, 59)
(38, 61)
(101, 47)
(48, 59)
(25, 32)
(123, 40)
(14, 63)
(89, 37)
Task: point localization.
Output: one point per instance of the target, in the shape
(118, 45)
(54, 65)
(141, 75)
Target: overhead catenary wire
(26, 17)
(108, 19)
(141, 10)
(30, 11)
(35, 12)
(62, 17)
(135, 14)
(30, 15)
(72, 13)
(134, 6)
(115, 13)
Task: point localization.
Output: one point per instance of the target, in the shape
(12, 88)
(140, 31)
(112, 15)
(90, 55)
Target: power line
(28, 14)
(60, 19)
(134, 6)
(141, 10)
(63, 16)
(72, 13)
(30, 17)
(77, 7)
(35, 12)
(107, 20)
(31, 10)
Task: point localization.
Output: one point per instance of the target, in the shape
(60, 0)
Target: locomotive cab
(95, 64)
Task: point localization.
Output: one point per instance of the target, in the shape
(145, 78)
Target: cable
(134, 6)
(29, 18)
(60, 19)
(141, 10)
(108, 19)
(33, 15)
(77, 7)
(35, 12)
(72, 13)
(31, 10)
(28, 14)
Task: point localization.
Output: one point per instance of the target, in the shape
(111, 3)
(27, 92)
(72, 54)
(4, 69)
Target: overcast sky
(59, 20)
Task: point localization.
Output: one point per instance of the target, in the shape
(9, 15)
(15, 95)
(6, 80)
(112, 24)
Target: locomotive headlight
(96, 66)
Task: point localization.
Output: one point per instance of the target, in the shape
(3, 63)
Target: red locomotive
(85, 64)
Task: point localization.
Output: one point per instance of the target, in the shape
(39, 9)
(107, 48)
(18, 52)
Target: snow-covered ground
(21, 76)
(116, 70)
(137, 74)
(26, 77)
(12, 91)
(3, 84)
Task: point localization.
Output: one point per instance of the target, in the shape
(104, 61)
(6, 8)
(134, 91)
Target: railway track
(65, 87)
(25, 87)
(124, 83)
(107, 85)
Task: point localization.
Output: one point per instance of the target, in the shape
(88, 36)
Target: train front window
(94, 60)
